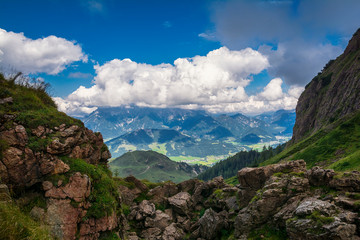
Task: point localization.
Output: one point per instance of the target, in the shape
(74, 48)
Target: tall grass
(15, 225)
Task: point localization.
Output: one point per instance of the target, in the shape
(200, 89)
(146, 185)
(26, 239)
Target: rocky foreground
(294, 202)
(78, 198)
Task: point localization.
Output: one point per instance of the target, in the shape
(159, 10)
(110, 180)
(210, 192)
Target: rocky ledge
(32, 154)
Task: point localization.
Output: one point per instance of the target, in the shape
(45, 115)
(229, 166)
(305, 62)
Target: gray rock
(173, 233)
(181, 202)
(310, 205)
(161, 220)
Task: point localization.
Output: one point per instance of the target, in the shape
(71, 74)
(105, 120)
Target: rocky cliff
(332, 94)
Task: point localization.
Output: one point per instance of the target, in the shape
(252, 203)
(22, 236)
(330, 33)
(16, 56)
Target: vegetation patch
(3, 146)
(109, 236)
(125, 209)
(104, 194)
(324, 146)
(38, 144)
(37, 200)
(268, 232)
(31, 103)
(14, 224)
(232, 181)
(320, 219)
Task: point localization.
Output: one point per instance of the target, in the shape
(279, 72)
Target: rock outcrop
(33, 154)
(32, 159)
(332, 94)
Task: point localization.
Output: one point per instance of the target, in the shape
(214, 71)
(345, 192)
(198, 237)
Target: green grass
(232, 181)
(351, 162)
(340, 144)
(32, 105)
(14, 224)
(158, 147)
(320, 219)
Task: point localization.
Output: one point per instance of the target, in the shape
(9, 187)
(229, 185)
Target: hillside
(229, 167)
(327, 127)
(153, 166)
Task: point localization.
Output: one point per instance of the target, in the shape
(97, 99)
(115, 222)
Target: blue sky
(81, 48)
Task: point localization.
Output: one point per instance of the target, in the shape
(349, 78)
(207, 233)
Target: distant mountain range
(187, 133)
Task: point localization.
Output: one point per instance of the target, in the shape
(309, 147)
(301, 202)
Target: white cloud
(273, 90)
(72, 108)
(214, 82)
(49, 55)
(208, 36)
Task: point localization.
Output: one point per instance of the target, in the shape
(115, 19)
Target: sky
(248, 56)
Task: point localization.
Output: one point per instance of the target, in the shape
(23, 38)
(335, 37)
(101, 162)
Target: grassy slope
(15, 224)
(337, 146)
(148, 165)
(32, 105)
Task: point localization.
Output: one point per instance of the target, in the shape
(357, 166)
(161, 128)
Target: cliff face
(332, 94)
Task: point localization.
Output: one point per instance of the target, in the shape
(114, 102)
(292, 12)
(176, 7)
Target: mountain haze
(187, 134)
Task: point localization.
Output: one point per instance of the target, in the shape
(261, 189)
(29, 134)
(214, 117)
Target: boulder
(93, 226)
(62, 218)
(320, 177)
(181, 202)
(255, 178)
(159, 194)
(309, 205)
(173, 233)
(349, 181)
(211, 224)
(161, 220)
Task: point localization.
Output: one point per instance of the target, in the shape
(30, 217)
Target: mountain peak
(354, 43)
(332, 94)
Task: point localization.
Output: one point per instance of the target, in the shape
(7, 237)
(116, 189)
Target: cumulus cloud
(73, 108)
(214, 82)
(297, 30)
(49, 55)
